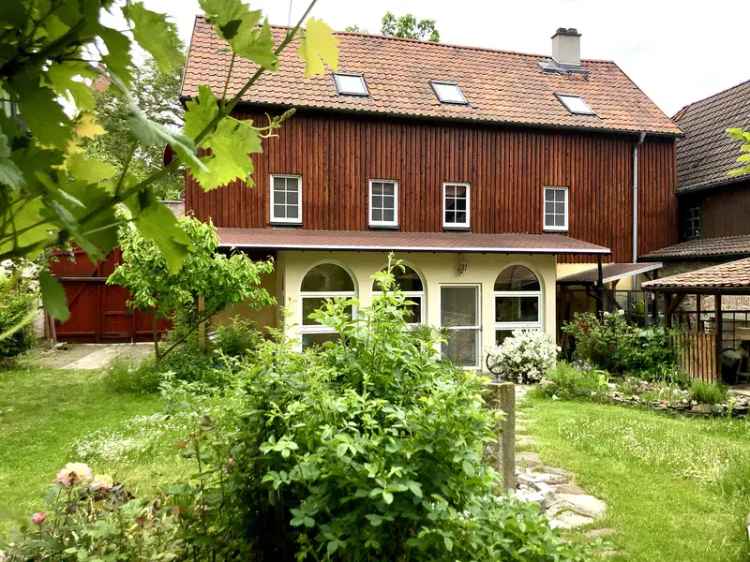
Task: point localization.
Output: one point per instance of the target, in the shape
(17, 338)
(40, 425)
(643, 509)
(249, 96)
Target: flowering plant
(524, 357)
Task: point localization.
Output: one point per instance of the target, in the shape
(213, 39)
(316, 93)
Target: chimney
(566, 46)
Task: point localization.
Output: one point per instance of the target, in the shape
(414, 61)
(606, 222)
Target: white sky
(676, 51)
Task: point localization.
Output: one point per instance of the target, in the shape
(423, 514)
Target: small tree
(743, 160)
(207, 277)
(408, 27)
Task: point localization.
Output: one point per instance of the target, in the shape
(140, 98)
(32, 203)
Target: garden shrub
(17, 301)
(524, 357)
(567, 382)
(368, 448)
(127, 376)
(612, 344)
(237, 338)
(708, 393)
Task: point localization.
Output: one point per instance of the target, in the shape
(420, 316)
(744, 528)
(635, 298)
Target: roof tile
(500, 86)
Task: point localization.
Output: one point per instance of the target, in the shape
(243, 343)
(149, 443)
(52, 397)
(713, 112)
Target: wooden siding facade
(507, 169)
(724, 210)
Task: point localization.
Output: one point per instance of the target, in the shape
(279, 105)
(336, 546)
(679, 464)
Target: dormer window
(350, 85)
(575, 104)
(448, 92)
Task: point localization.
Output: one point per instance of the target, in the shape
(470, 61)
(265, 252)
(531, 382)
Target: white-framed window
(286, 199)
(383, 197)
(411, 284)
(575, 104)
(448, 92)
(323, 282)
(350, 84)
(460, 316)
(518, 301)
(556, 208)
(456, 205)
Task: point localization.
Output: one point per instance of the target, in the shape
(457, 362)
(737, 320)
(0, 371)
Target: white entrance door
(460, 316)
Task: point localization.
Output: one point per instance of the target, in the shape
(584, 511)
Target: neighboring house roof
(500, 86)
(383, 240)
(731, 275)
(720, 247)
(705, 154)
(610, 272)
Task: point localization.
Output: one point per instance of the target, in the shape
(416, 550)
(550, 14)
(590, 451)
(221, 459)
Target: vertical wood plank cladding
(506, 167)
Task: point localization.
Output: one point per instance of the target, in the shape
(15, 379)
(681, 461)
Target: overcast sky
(676, 51)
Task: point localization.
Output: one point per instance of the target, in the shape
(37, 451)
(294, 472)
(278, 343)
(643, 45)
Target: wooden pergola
(731, 278)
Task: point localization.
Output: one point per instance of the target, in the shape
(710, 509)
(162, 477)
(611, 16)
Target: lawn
(45, 412)
(677, 488)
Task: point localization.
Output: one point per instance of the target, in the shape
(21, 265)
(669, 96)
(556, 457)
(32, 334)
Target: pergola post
(719, 335)
(668, 310)
(599, 285)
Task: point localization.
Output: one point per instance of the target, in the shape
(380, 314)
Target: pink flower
(38, 518)
(74, 473)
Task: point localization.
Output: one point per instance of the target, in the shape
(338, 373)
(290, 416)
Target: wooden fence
(696, 354)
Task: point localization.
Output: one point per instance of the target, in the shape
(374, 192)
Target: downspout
(641, 138)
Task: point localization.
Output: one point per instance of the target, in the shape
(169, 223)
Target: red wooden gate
(98, 312)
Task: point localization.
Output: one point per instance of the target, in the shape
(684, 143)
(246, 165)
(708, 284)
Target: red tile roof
(706, 154)
(501, 86)
(731, 275)
(724, 246)
(386, 240)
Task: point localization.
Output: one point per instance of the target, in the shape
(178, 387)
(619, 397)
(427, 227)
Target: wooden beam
(599, 284)
(719, 334)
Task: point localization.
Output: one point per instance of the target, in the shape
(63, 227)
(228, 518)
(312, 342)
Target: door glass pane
(501, 335)
(461, 347)
(414, 311)
(458, 306)
(516, 309)
(317, 339)
(310, 304)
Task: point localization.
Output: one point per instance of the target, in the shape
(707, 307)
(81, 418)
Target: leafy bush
(126, 376)
(368, 448)
(610, 343)
(567, 382)
(17, 301)
(524, 357)
(237, 338)
(708, 393)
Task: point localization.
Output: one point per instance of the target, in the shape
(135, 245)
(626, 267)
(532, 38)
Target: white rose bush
(524, 357)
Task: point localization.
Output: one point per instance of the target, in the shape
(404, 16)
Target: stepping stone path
(565, 504)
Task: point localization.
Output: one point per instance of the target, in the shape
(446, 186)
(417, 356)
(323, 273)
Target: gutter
(641, 138)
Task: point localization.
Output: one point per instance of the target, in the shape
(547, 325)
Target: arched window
(518, 301)
(322, 282)
(411, 285)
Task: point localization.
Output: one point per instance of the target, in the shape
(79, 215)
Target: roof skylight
(350, 84)
(575, 104)
(448, 92)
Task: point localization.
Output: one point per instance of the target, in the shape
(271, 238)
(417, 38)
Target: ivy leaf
(53, 296)
(318, 48)
(238, 25)
(156, 34)
(231, 145)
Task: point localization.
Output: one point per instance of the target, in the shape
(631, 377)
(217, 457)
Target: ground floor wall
(436, 271)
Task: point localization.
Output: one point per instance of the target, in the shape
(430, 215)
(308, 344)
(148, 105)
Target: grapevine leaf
(89, 170)
(200, 111)
(61, 77)
(152, 133)
(10, 174)
(88, 127)
(157, 223)
(53, 296)
(231, 145)
(42, 113)
(117, 60)
(239, 25)
(156, 34)
(318, 48)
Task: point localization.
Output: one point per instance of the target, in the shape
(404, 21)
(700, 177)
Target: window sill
(376, 226)
(557, 230)
(457, 227)
(284, 223)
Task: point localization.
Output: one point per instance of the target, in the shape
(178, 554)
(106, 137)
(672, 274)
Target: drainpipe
(641, 138)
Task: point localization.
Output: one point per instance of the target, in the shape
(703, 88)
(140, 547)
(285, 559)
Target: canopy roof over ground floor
(611, 272)
(295, 238)
(731, 278)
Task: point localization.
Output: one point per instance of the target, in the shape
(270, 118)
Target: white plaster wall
(435, 269)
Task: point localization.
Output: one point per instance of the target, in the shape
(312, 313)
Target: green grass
(676, 488)
(43, 412)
